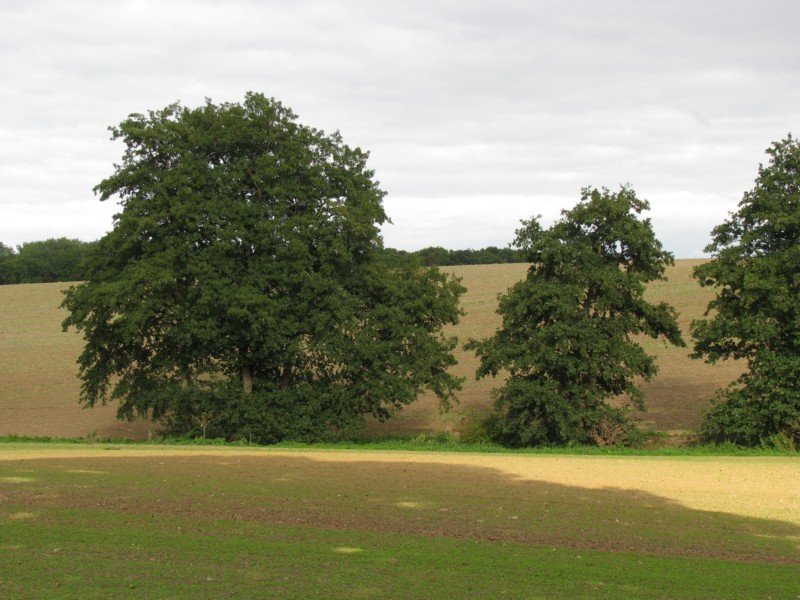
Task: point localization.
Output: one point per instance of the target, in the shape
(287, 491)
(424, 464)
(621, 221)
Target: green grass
(437, 444)
(86, 521)
(91, 555)
(431, 443)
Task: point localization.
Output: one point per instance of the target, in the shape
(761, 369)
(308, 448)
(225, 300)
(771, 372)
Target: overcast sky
(476, 114)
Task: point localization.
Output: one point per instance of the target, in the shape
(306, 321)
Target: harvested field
(97, 520)
(39, 389)
(676, 398)
(38, 375)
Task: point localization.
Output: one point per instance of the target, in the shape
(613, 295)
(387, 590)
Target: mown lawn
(110, 521)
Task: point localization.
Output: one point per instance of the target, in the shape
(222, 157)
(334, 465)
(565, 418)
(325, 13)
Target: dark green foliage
(756, 313)
(7, 255)
(565, 340)
(244, 285)
(46, 261)
(436, 255)
(266, 416)
(62, 259)
(5, 251)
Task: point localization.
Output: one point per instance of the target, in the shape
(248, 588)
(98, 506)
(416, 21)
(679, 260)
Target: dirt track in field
(759, 487)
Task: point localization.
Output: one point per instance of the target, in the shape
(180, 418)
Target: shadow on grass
(426, 499)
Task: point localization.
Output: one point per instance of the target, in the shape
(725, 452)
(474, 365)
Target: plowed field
(39, 387)
(107, 521)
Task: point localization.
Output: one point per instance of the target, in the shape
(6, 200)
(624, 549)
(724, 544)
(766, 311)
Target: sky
(476, 114)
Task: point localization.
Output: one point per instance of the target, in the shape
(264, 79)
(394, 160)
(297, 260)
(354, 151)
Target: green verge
(98, 554)
(430, 443)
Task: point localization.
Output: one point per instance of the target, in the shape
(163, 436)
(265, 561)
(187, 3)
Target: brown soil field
(39, 386)
(676, 397)
(724, 507)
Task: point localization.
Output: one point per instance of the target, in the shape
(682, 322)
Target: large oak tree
(244, 289)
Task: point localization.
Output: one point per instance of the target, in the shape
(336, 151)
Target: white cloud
(472, 110)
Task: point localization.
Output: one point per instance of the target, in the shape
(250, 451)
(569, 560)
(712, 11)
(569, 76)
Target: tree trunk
(247, 381)
(285, 378)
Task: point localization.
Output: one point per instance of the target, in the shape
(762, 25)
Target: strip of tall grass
(434, 443)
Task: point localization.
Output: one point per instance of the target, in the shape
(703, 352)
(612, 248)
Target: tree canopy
(55, 259)
(439, 256)
(62, 259)
(566, 335)
(755, 315)
(243, 289)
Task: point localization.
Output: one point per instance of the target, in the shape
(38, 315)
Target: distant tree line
(55, 259)
(63, 259)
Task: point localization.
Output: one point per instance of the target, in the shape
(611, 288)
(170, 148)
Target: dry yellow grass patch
(761, 487)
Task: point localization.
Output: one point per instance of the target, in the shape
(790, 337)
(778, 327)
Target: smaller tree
(756, 313)
(566, 335)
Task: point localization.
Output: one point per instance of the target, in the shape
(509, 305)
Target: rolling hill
(39, 387)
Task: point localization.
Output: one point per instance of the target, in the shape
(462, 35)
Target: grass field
(39, 389)
(102, 521)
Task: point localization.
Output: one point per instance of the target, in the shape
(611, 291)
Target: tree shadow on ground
(428, 499)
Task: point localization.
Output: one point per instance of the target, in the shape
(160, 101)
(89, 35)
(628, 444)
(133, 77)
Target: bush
(267, 416)
(472, 429)
(762, 405)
